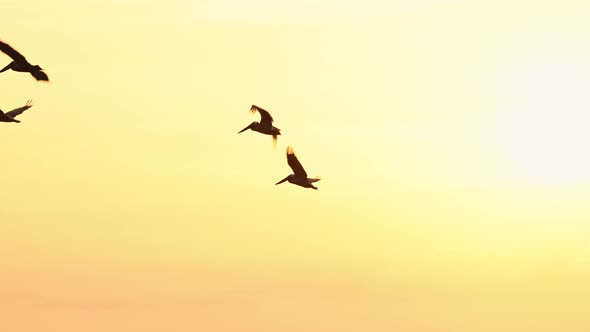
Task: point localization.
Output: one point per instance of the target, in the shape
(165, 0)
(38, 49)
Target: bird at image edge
(20, 63)
(10, 116)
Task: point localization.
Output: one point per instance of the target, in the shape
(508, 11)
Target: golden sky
(450, 135)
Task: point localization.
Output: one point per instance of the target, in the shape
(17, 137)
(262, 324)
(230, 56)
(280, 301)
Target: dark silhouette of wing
(4, 117)
(20, 110)
(265, 118)
(40, 75)
(11, 52)
(295, 164)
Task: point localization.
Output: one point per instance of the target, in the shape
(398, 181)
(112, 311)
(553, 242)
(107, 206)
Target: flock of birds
(299, 176)
(20, 64)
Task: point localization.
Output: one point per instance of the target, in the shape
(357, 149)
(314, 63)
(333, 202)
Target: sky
(450, 137)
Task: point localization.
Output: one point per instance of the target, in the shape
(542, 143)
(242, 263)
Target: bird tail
(39, 75)
(312, 180)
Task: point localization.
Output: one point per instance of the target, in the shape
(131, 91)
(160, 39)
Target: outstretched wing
(265, 118)
(11, 52)
(295, 164)
(18, 111)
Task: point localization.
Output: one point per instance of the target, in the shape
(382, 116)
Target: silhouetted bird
(21, 64)
(300, 177)
(10, 116)
(265, 126)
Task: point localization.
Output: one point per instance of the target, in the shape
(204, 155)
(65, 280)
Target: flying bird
(19, 63)
(300, 177)
(10, 116)
(265, 126)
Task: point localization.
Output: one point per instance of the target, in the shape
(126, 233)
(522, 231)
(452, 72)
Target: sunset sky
(452, 138)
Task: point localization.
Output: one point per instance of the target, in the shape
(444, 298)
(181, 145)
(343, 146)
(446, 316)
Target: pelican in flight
(19, 63)
(300, 177)
(10, 116)
(265, 126)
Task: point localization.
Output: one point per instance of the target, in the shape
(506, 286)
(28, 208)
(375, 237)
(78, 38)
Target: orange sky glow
(450, 137)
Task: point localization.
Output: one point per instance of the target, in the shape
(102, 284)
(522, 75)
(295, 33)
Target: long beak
(283, 180)
(245, 129)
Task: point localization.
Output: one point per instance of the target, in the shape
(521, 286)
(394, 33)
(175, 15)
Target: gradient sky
(451, 137)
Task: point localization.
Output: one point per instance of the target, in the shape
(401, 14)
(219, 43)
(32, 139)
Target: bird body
(19, 63)
(304, 182)
(10, 116)
(265, 125)
(272, 130)
(22, 67)
(300, 175)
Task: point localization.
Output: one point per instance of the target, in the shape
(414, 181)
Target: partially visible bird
(10, 116)
(20, 63)
(265, 126)
(300, 176)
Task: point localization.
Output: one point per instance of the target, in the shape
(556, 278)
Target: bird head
(253, 124)
(285, 179)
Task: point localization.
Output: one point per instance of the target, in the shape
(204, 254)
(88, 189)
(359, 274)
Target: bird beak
(245, 129)
(283, 180)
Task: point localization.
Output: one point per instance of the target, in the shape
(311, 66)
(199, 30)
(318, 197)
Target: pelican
(265, 126)
(300, 177)
(10, 116)
(19, 63)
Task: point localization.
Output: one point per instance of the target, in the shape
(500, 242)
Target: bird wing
(18, 111)
(265, 118)
(4, 117)
(295, 164)
(40, 75)
(11, 52)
